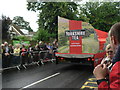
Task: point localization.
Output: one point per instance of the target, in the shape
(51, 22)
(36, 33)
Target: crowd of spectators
(21, 54)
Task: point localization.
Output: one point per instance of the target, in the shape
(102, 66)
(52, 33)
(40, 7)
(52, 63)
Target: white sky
(12, 8)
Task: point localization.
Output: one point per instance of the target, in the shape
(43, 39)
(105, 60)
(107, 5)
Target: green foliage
(22, 38)
(42, 35)
(49, 12)
(90, 45)
(62, 39)
(101, 15)
(5, 27)
(18, 20)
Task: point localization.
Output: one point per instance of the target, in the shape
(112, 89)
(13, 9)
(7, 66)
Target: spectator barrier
(28, 58)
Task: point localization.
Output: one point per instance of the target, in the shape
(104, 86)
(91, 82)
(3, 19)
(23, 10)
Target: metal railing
(28, 58)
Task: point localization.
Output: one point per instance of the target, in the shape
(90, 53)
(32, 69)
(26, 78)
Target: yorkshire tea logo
(75, 33)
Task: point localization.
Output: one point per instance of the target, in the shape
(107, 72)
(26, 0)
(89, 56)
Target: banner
(26, 43)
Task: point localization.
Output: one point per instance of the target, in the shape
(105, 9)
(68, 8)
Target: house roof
(17, 29)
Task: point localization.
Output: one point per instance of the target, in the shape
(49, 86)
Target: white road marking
(39, 81)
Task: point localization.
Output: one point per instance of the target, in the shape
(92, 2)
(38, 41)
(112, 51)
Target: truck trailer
(80, 42)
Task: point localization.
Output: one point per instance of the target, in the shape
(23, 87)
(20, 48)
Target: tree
(49, 12)
(5, 27)
(22, 38)
(102, 15)
(42, 35)
(18, 20)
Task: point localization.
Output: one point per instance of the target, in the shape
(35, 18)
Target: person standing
(109, 56)
(40, 46)
(23, 52)
(11, 49)
(101, 70)
(6, 54)
(30, 53)
(36, 53)
(16, 59)
(55, 45)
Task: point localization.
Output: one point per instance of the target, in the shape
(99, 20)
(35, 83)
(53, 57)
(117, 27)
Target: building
(15, 30)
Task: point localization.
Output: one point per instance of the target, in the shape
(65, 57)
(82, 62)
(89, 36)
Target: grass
(63, 49)
(90, 45)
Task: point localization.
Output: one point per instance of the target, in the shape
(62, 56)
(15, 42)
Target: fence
(28, 58)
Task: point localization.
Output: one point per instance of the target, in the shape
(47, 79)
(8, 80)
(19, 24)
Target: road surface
(49, 75)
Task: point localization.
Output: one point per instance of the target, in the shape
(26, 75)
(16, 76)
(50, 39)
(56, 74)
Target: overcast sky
(12, 8)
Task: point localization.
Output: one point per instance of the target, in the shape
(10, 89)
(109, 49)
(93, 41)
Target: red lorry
(79, 42)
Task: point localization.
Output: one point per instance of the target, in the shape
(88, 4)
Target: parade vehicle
(79, 42)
